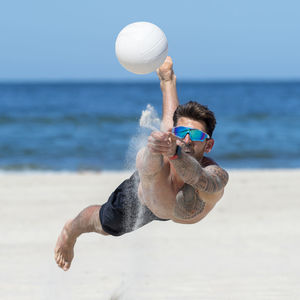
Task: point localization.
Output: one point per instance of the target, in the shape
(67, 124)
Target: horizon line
(147, 81)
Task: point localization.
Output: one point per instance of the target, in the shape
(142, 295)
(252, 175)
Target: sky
(208, 40)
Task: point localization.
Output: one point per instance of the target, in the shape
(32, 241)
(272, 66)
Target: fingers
(175, 138)
(172, 136)
(165, 71)
(159, 135)
(161, 149)
(157, 149)
(168, 62)
(165, 136)
(160, 142)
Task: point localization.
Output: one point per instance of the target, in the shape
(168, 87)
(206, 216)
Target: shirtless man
(174, 180)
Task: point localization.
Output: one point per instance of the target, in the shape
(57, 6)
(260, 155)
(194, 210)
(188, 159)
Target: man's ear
(209, 145)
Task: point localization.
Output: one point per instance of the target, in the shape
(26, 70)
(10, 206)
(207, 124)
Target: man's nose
(187, 139)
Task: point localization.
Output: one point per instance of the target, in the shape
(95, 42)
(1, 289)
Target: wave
(71, 119)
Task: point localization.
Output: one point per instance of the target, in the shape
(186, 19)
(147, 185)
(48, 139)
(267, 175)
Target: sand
(246, 248)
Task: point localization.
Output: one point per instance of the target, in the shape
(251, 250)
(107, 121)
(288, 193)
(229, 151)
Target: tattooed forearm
(210, 179)
(215, 180)
(188, 203)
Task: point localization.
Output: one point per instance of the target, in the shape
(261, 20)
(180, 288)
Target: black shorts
(123, 212)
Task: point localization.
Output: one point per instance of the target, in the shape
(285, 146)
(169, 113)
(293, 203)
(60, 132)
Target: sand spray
(149, 120)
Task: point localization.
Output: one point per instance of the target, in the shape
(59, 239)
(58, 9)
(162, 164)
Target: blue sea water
(89, 126)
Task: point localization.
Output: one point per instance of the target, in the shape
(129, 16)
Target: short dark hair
(198, 112)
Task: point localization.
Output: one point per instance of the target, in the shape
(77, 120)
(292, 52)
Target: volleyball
(141, 47)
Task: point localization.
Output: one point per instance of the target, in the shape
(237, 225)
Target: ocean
(92, 125)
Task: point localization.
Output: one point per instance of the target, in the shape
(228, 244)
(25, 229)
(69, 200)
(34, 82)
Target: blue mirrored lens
(180, 131)
(195, 134)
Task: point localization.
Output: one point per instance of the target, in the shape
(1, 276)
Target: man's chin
(192, 154)
(188, 152)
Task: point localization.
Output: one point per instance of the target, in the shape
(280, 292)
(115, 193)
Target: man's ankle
(71, 231)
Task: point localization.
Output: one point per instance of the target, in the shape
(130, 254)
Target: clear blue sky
(225, 39)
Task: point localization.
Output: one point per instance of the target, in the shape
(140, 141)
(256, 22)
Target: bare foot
(64, 250)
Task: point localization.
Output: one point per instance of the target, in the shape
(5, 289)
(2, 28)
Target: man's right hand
(165, 71)
(162, 143)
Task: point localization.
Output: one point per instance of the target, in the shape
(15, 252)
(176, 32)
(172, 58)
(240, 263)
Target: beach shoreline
(246, 248)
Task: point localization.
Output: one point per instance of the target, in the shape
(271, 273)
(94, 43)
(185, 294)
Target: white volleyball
(141, 47)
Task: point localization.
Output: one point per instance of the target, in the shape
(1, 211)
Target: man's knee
(97, 227)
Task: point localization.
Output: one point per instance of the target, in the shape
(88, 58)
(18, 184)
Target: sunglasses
(195, 134)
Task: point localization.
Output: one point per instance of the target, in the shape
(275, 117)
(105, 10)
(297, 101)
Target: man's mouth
(187, 150)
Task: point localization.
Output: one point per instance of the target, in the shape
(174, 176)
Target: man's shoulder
(207, 161)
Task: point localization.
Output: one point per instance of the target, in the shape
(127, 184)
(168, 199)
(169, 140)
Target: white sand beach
(247, 248)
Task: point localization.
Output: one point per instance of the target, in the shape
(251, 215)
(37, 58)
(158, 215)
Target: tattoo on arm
(216, 178)
(188, 203)
(210, 179)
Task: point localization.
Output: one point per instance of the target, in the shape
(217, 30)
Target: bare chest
(169, 198)
(159, 196)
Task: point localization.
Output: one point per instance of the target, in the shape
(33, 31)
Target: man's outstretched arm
(149, 161)
(168, 87)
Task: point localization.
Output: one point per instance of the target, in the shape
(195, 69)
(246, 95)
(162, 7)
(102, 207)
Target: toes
(56, 257)
(66, 266)
(60, 261)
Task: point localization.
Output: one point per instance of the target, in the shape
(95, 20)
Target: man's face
(194, 148)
